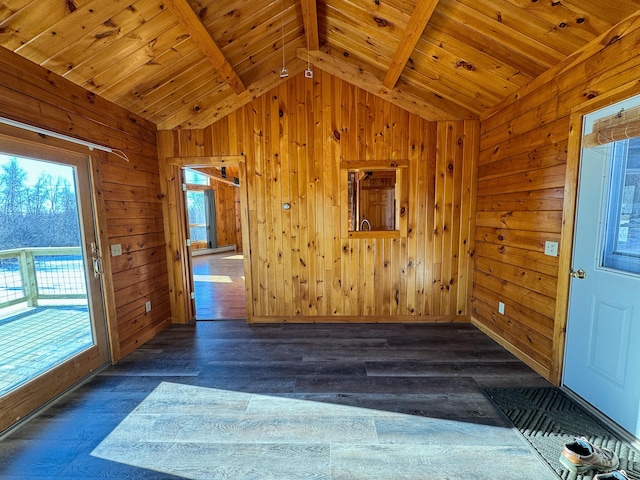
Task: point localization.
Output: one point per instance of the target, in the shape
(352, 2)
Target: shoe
(615, 475)
(580, 456)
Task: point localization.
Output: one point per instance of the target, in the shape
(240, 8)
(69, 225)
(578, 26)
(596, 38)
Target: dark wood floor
(219, 286)
(428, 373)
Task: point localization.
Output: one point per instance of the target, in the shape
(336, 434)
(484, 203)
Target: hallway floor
(226, 400)
(219, 286)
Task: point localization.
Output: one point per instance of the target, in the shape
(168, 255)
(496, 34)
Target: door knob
(577, 273)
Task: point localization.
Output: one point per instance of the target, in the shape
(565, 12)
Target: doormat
(547, 419)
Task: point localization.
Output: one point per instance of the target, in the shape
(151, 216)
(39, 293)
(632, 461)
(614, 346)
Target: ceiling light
(308, 73)
(284, 73)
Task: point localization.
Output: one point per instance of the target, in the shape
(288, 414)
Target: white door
(602, 357)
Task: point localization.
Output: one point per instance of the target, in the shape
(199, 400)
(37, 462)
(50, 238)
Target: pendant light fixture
(284, 73)
(308, 73)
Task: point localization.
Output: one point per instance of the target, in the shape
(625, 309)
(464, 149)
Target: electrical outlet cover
(551, 249)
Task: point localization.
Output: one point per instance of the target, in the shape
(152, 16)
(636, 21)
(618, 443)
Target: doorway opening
(212, 204)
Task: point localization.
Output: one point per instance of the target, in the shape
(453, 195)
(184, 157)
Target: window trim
(402, 208)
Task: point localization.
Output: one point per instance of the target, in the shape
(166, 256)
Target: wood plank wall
(129, 193)
(521, 196)
(294, 138)
(228, 212)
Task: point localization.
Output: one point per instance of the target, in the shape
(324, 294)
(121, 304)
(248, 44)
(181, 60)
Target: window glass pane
(371, 200)
(195, 178)
(195, 206)
(198, 234)
(622, 240)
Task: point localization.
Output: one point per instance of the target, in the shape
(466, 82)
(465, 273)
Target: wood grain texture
(227, 398)
(198, 33)
(526, 194)
(187, 63)
(130, 210)
(416, 25)
(294, 138)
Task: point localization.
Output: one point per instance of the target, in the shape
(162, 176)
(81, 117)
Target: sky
(35, 168)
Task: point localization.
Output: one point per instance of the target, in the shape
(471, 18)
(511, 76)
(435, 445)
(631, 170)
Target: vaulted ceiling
(186, 63)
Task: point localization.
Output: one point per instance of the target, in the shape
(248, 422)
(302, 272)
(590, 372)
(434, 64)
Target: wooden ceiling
(186, 63)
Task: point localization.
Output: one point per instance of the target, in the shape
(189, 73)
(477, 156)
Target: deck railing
(33, 274)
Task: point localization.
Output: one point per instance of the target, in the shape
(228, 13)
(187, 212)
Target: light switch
(116, 250)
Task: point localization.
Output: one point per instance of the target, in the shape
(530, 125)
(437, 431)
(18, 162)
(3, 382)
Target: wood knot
(336, 134)
(613, 40)
(466, 65)
(382, 22)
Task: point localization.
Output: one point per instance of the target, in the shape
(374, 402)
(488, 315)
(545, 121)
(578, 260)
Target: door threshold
(23, 421)
(617, 429)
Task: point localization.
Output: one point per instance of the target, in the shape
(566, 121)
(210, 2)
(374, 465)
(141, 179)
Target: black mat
(547, 419)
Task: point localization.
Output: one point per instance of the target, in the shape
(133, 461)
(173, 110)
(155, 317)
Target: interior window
(372, 199)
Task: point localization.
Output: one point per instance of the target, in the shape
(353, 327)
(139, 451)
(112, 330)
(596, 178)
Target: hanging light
(308, 73)
(284, 73)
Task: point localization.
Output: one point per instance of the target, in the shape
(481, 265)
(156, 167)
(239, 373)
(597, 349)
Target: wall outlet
(551, 249)
(501, 308)
(147, 306)
(116, 250)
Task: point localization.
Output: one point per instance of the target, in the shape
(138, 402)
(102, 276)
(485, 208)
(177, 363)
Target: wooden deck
(34, 340)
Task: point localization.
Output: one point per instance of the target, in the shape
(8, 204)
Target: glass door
(52, 324)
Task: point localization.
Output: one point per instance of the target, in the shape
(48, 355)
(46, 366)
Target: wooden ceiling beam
(199, 34)
(417, 23)
(431, 107)
(310, 20)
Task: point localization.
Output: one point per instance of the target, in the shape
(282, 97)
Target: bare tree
(12, 188)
